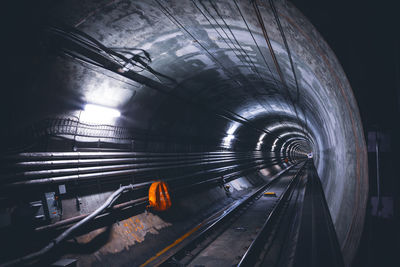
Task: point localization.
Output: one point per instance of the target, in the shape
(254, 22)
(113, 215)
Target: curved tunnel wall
(216, 55)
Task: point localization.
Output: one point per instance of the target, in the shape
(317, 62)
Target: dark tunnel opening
(213, 97)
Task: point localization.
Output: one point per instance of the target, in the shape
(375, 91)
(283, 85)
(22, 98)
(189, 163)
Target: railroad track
(236, 234)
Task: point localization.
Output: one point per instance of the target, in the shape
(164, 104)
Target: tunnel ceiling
(212, 59)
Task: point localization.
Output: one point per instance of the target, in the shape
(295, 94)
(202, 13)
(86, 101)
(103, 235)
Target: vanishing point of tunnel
(192, 132)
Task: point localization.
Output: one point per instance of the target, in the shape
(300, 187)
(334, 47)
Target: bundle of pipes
(187, 170)
(45, 168)
(215, 178)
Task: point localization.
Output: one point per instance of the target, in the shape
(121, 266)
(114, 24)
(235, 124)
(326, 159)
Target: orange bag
(159, 198)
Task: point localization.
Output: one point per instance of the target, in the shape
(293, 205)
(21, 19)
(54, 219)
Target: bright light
(227, 140)
(262, 137)
(232, 129)
(258, 147)
(101, 111)
(230, 137)
(98, 114)
(274, 144)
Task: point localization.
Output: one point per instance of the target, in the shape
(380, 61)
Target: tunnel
(211, 97)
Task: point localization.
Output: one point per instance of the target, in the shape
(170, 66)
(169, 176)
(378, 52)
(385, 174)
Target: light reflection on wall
(260, 141)
(227, 140)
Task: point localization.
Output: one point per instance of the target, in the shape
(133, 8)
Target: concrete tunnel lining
(210, 68)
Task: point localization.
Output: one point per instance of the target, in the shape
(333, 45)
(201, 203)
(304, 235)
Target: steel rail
(249, 258)
(209, 224)
(100, 211)
(217, 178)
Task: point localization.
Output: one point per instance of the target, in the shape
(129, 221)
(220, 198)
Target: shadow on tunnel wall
(218, 92)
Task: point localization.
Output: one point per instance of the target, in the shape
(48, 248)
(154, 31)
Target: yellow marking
(130, 228)
(270, 194)
(140, 226)
(179, 240)
(132, 233)
(176, 242)
(136, 237)
(136, 225)
(133, 225)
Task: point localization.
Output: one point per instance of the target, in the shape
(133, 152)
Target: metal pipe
(56, 155)
(227, 178)
(39, 160)
(56, 172)
(85, 162)
(67, 233)
(63, 179)
(85, 170)
(80, 217)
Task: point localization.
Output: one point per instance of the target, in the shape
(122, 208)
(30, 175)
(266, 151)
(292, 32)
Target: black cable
(249, 67)
(212, 25)
(289, 55)
(255, 42)
(240, 51)
(176, 22)
(70, 231)
(109, 76)
(115, 66)
(237, 42)
(272, 52)
(227, 36)
(121, 59)
(286, 46)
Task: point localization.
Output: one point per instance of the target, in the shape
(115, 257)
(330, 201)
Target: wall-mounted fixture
(98, 114)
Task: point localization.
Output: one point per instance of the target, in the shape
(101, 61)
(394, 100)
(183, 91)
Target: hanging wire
(117, 61)
(216, 30)
(180, 25)
(252, 70)
(278, 22)
(255, 42)
(237, 42)
(272, 52)
(242, 52)
(286, 46)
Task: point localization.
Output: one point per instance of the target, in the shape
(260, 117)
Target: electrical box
(51, 202)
